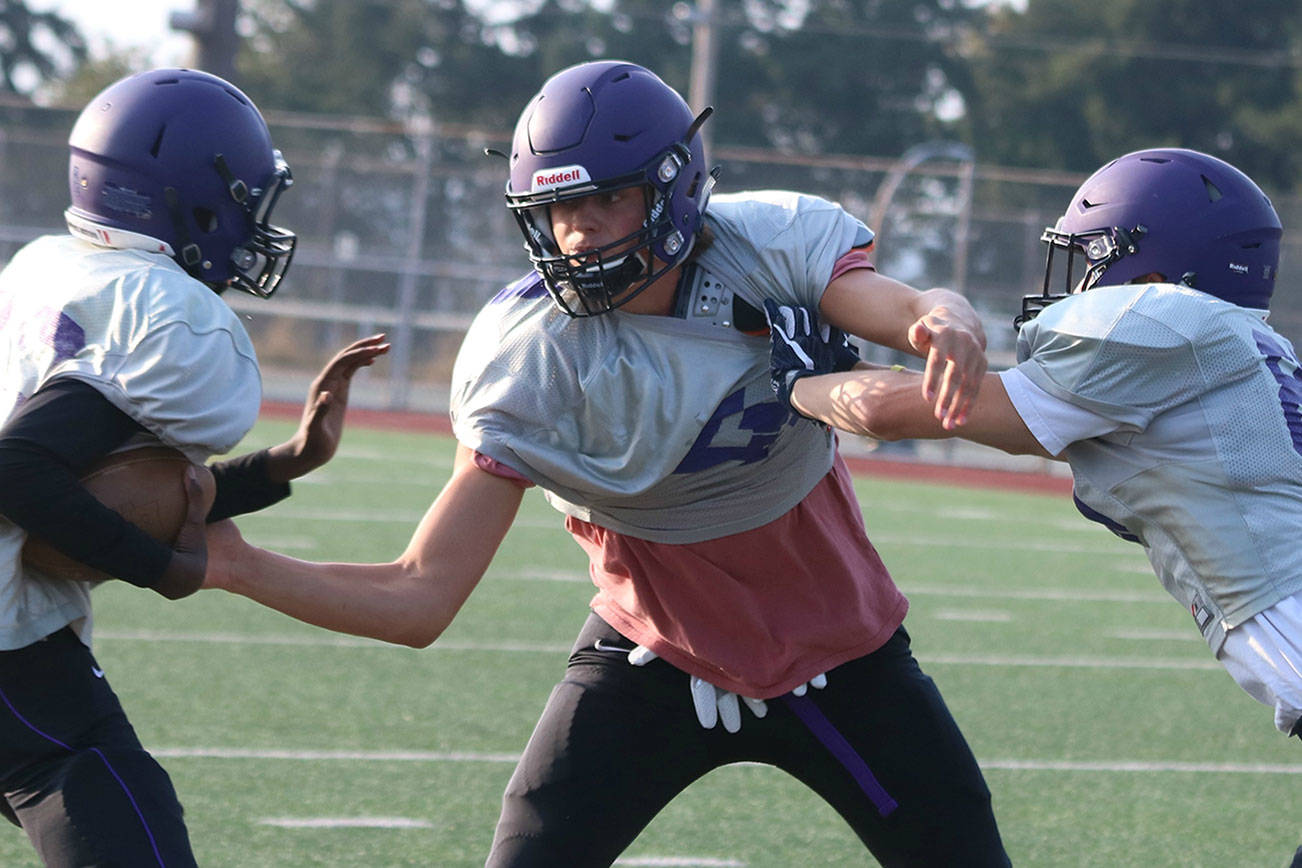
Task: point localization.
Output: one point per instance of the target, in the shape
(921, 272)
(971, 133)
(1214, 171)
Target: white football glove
(714, 704)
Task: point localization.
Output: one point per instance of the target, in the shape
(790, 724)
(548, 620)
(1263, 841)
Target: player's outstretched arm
(409, 601)
(888, 404)
(322, 423)
(937, 325)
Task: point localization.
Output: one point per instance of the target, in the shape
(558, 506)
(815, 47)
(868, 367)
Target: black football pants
(617, 742)
(72, 770)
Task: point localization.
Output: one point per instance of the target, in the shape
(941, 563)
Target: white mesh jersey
(1204, 465)
(662, 428)
(158, 344)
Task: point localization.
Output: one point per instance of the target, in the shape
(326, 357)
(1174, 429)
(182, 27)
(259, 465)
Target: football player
(625, 376)
(1156, 376)
(113, 336)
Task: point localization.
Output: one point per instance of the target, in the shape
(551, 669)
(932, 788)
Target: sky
(140, 24)
(108, 23)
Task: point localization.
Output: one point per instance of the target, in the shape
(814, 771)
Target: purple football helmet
(1190, 217)
(180, 162)
(605, 126)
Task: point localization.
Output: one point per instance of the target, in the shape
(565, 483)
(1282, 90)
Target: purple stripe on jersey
(529, 286)
(149, 833)
(68, 338)
(826, 732)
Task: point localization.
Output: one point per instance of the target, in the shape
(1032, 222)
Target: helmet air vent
(158, 141)
(1213, 192)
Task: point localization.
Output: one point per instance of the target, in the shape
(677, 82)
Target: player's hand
(956, 362)
(225, 544)
(185, 571)
(714, 704)
(799, 346)
(322, 425)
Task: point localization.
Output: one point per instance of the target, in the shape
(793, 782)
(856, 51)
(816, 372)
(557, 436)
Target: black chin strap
(189, 254)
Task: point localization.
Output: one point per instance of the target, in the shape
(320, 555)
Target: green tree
(35, 47)
(1068, 85)
(851, 77)
(92, 76)
(820, 75)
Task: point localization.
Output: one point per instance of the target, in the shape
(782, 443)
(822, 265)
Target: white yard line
(974, 615)
(1189, 635)
(680, 862)
(413, 756)
(508, 647)
(322, 641)
(1067, 662)
(1062, 595)
(345, 823)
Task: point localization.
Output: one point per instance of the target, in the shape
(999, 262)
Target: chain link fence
(403, 229)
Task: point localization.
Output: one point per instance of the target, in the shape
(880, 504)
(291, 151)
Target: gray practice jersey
(663, 428)
(155, 342)
(1205, 465)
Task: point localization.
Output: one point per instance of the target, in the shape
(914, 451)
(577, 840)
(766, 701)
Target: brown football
(146, 486)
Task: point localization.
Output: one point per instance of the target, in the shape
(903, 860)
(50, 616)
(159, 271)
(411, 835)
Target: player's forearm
(871, 401)
(391, 602)
(887, 404)
(409, 601)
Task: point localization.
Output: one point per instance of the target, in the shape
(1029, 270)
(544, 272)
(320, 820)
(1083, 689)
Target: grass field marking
(426, 458)
(417, 756)
(1066, 662)
(369, 517)
(370, 756)
(1066, 596)
(325, 640)
(1094, 548)
(345, 823)
(1070, 523)
(580, 576)
(332, 641)
(1142, 766)
(975, 615)
(1148, 635)
(533, 575)
(288, 543)
(343, 477)
(680, 862)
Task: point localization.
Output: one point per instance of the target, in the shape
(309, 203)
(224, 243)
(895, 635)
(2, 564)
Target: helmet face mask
(180, 162)
(1099, 249)
(1185, 216)
(260, 264)
(595, 129)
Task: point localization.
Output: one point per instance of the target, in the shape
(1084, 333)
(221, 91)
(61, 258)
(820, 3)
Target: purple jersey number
(1284, 366)
(763, 421)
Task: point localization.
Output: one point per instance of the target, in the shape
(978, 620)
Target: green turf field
(1108, 735)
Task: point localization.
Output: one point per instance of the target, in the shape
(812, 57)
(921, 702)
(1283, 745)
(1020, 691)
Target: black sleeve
(53, 438)
(243, 486)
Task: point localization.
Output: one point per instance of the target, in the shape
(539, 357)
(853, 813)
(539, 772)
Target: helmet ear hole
(205, 219)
